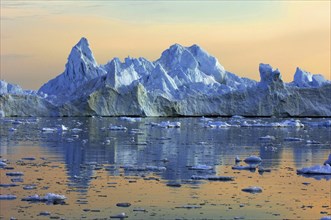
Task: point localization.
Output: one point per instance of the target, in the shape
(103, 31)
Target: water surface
(87, 167)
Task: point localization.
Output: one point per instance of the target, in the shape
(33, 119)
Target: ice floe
(317, 169)
(252, 189)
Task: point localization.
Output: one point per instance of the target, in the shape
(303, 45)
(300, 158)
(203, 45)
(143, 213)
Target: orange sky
(37, 36)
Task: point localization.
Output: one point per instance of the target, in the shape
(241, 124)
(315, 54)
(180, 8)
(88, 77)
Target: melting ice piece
(251, 167)
(268, 138)
(121, 215)
(2, 164)
(49, 130)
(328, 161)
(63, 128)
(167, 124)
(252, 189)
(129, 119)
(49, 197)
(117, 128)
(14, 174)
(253, 159)
(326, 218)
(201, 167)
(316, 170)
(213, 178)
(293, 139)
(7, 197)
(237, 159)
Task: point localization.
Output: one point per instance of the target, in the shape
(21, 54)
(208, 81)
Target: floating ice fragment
(44, 213)
(293, 139)
(316, 170)
(76, 130)
(123, 204)
(166, 124)
(2, 164)
(63, 128)
(252, 189)
(8, 185)
(49, 130)
(237, 159)
(129, 119)
(326, 218)
(14, 174)
(253, 159)
(217, 124)
(29, 187)
(143, 168)
(28, 158)
(213, 178)
(117, 128)
(189, 207)
(49, 197)
(121, 215)
(328, 161)
(201, 167)
(12, 129)
(7, 197)
(251, 167)
(268, 138)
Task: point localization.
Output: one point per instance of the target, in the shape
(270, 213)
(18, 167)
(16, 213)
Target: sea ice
(317, 169)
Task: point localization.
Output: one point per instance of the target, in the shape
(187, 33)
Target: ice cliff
(184, 81)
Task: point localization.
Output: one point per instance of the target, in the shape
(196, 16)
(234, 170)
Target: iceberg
(184, 81)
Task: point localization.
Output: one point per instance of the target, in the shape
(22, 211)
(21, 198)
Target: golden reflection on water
(284, 194)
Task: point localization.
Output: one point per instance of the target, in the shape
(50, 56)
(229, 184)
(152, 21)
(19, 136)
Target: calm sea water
(88, 166)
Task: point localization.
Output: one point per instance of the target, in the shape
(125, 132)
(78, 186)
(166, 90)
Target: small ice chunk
(49, 130)
(326, 218)
(237, 159)
(2, 164)
(201, 167)
(63, 128)
(14, 174)
(293, 139)
(49, 197)
(213, 178)
(252, 189)
(28, 158)
(129, 119)
(121, 215)
(253, 159)
(167, 124)
(268, 138)
(316, 170)
(189, 207)
(76, 130)
(7, 197)
(328, 161)
(117, 128)
(251, 167)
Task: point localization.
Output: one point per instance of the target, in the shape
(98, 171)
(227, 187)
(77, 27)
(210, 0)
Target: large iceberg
(184, 81)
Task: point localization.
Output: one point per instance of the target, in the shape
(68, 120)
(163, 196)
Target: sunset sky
(37, 36)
